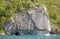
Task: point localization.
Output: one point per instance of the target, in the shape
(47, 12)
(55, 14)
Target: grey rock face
(34, 19)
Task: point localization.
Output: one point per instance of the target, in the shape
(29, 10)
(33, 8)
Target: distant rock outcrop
(34, 21)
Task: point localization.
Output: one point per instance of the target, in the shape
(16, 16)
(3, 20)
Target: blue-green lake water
(30, 37)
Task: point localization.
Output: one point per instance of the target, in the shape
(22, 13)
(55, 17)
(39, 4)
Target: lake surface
(30, 37)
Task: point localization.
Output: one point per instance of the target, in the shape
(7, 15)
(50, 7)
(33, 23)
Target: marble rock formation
(35, 21)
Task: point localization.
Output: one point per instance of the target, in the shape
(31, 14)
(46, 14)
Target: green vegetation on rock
(10, 7)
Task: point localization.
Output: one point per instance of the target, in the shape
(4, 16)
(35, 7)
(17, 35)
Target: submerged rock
(34, 21)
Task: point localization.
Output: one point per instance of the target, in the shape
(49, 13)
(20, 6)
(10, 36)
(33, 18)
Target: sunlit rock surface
(35, 21)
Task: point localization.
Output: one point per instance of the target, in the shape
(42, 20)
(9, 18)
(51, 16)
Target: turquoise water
(30, 37)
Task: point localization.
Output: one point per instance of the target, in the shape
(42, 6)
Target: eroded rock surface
(34, 21)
